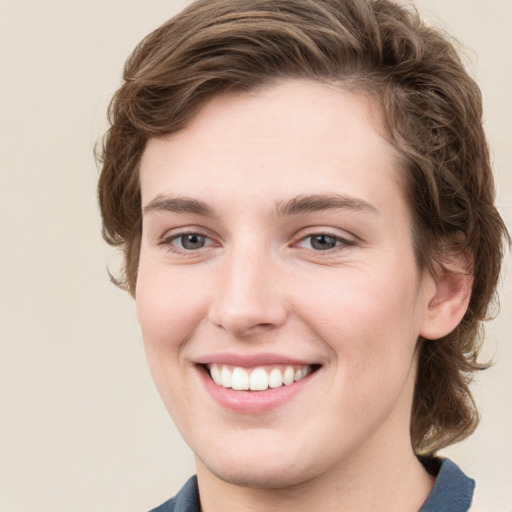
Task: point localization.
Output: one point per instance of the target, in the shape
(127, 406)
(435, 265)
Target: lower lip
(253, 402)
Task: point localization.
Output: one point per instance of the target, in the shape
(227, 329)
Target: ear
(447, 296)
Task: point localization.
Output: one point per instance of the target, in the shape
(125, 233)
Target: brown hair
(433, 113)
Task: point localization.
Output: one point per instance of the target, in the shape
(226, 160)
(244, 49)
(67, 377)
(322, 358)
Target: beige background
(81, 426)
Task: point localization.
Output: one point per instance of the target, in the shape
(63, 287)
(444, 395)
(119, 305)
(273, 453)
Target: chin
(258, 475)
(275, 462)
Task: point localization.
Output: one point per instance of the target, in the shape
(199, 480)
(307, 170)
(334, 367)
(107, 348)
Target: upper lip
(250, 360)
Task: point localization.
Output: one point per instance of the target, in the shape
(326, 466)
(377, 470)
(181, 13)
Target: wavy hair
(433, 115)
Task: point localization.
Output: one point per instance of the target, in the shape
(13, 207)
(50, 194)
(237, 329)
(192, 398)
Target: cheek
(169, 308)
(369, 319)
(371, 331)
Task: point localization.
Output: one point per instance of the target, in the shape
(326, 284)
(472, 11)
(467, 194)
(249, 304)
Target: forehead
(293, 137)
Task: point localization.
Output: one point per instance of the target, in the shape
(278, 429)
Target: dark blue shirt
(452, 491)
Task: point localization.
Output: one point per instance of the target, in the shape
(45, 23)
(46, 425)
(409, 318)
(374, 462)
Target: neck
(387, 479)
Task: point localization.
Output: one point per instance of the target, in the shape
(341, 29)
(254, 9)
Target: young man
(303, 194)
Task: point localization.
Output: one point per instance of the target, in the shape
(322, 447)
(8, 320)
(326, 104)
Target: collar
(452, 491)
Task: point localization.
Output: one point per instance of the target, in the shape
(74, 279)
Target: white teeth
(225, 377)
(215, 373)
(289, 375)
(258, 379)
(275, 378)
(240, 379)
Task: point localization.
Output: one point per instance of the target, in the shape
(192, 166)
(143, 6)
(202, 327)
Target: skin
(258, 285)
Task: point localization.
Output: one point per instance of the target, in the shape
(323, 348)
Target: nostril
(261, 327)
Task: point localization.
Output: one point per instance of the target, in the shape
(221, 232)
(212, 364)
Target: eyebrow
(178, 205)
(320, 202)
(298, 205)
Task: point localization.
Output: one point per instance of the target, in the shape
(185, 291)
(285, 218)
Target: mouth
(256, 384)
(259, 378)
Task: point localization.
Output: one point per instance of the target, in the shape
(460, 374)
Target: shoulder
(453, 490)
(187, 500)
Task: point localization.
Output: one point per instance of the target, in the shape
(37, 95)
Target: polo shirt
(452, 492)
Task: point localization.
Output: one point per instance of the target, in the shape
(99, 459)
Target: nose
(249, 299)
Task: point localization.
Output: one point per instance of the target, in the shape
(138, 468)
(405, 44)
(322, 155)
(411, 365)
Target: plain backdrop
(81, 426)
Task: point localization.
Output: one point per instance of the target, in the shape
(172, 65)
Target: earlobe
(448, 300)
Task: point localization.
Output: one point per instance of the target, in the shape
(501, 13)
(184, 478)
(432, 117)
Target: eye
(323, 242)
(189, 241)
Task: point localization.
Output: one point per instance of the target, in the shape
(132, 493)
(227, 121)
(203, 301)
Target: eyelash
(340, 242)
(170, 242)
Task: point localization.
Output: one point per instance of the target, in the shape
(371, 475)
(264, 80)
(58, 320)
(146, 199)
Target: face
(278, 295)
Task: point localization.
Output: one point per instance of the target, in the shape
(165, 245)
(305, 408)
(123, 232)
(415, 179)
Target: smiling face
(277, 255)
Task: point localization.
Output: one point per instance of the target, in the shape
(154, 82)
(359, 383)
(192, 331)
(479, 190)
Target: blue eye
(190, 241)
(323, 242)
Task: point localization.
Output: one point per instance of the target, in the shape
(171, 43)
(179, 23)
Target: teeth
(302, 372)
(288, 375)
(225, 377)
(240, 379)
(215, 373)
(275, 378)
(257, 379)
